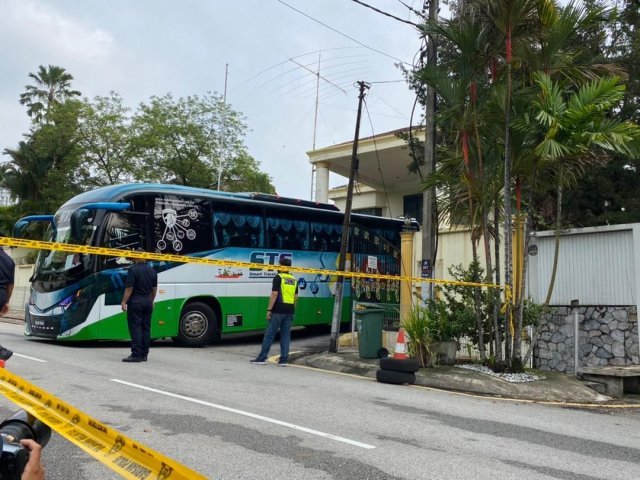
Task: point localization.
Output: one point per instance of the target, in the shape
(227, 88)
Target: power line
(385, 13)
(388, 81)
(420, 14)
(296, 69)
(343, 34)
(375, 147)
(391, 107)
(318, 76)
(285, 61)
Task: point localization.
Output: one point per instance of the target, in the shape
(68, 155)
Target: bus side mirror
(21, 225)
(19, 228)
(80, 216)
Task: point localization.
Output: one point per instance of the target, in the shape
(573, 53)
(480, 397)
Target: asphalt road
(233, 420)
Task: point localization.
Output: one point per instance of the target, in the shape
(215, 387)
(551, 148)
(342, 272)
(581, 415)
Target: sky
(267, 50)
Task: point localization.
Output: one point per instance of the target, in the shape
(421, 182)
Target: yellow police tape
(128, 458)
(114, 252)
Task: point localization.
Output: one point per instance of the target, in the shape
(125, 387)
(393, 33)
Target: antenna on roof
(315, 118)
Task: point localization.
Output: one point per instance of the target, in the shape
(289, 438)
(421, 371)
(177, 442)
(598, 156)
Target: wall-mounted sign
(425, 270)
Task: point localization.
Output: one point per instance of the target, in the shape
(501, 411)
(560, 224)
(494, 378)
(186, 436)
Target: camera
(21, 425)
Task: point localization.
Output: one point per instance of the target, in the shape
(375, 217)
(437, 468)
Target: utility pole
(337, 306)
(224, 125)
(429, 218)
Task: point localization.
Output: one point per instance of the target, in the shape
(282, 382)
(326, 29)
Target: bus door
(124, 231)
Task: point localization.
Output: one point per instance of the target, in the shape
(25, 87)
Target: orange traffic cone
(401, 346)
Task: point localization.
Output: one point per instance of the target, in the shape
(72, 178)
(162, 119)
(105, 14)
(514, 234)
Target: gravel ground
(509, 377)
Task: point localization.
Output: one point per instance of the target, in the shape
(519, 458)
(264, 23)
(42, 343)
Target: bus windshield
(56, 266)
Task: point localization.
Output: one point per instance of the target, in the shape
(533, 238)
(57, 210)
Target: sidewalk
(556, 388)
(13, 316)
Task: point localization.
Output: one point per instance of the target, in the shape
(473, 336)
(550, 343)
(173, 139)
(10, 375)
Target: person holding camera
(140, 291)
(7, 275)
(33, 470)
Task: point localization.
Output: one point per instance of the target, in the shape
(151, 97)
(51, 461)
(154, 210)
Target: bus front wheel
(197, 325)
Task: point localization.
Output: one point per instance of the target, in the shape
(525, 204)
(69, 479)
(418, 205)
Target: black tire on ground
(198, 325)
(395, 378)
(409, 365)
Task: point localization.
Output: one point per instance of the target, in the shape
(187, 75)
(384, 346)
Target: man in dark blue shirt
(7, 274)
(140, 291)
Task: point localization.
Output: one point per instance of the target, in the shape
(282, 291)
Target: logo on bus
(266, 258)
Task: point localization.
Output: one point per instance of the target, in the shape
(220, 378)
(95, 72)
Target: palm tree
(25, 173)
(578, 134)
(557, 49)
(52, 86)
(459, 82)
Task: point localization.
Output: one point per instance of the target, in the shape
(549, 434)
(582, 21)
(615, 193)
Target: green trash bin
(369, 318)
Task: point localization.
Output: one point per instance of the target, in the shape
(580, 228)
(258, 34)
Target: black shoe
(144, 359)
(257, 361)
(5, 353)
(132, 359)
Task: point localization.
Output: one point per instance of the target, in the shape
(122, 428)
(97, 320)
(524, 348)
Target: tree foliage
(74, 145)
(52, 87)
(526, 108)
(108, 145)
(610, 194)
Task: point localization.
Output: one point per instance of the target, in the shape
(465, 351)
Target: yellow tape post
(115, 252)
(126, 457)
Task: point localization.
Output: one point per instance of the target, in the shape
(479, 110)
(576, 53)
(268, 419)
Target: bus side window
(325, 237)
(236, 228)
(181, 224)
(124, 232)
(287, 233)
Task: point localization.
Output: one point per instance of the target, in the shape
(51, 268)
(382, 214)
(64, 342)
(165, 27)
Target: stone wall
(606, 336)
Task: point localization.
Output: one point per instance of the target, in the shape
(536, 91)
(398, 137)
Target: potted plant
(416, 326)
(445, 327)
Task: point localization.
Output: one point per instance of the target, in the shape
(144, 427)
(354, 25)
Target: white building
(5, 197)
(385, 187)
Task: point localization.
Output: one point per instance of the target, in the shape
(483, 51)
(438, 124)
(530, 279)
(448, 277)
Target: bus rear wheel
(198, 323)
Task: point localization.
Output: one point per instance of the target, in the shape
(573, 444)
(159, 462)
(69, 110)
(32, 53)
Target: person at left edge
(140, 291)
(7, 275)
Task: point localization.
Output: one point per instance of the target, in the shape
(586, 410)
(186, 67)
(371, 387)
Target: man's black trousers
(139, 310)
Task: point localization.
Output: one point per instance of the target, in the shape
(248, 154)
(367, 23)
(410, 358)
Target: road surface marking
(29, 358)
(247, 414)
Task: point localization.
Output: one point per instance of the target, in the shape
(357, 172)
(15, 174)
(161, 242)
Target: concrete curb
(13, 317)
(556, 388)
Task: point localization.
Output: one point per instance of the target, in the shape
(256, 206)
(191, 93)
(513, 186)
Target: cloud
(35, 25)
(149, 47)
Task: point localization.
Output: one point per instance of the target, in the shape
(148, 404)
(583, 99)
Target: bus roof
(113, 193)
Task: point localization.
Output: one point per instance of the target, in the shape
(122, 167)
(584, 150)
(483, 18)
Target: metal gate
(370, 253)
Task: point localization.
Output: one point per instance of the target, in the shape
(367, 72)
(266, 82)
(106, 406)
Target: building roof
(383, 161)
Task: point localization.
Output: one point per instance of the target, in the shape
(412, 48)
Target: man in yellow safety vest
(282, 305)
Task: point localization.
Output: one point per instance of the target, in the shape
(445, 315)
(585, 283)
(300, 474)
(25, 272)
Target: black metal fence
(370, 253)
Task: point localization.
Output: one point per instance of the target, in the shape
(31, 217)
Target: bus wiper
(53, 272)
